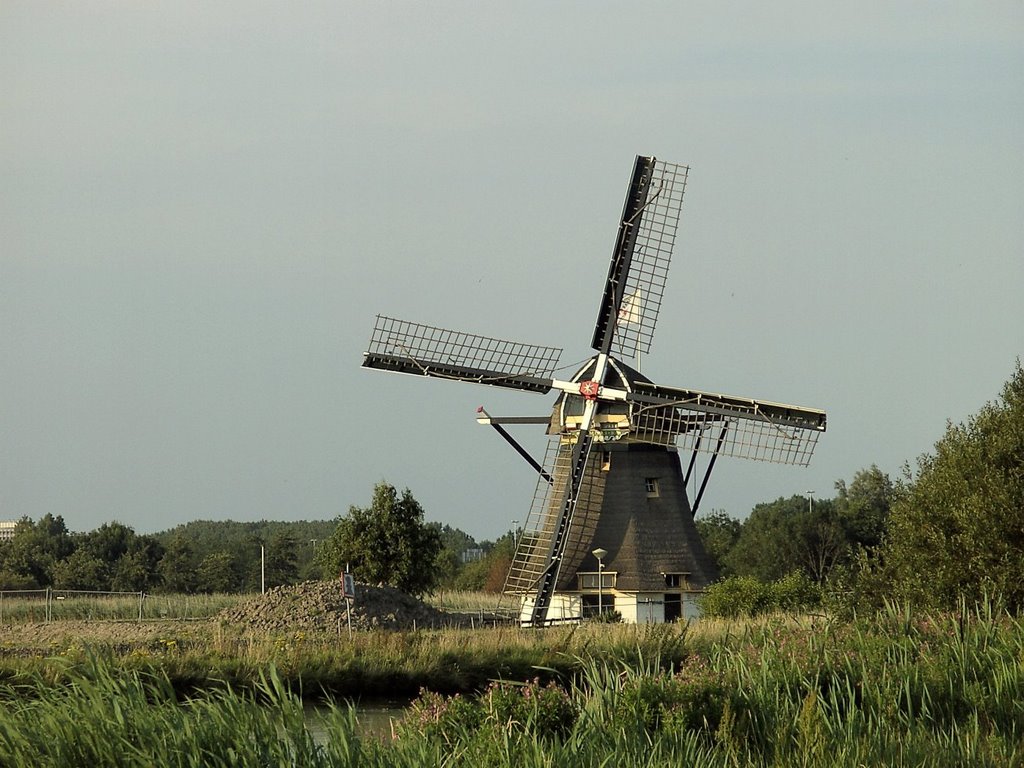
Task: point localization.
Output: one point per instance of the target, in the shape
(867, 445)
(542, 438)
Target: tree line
(950, 528)
(389, 541)
(201, 556)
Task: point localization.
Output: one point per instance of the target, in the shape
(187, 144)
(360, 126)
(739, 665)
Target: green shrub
(746, 596)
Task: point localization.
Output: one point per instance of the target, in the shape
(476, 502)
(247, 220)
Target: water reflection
(375, 719)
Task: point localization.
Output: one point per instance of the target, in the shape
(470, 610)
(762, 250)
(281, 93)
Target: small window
(591, 580)
(676, 580)
(606, 461)
(651, 486)
(592, 606)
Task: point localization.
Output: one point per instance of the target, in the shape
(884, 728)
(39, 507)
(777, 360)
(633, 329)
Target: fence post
(142, 596)
(46, 610)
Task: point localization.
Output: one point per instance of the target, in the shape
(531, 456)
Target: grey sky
(203, 208)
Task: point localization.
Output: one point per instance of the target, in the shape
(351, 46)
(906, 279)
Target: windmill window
(591, 580)
(676, 580)
(606, 461)
(651, 486)
(592, 606)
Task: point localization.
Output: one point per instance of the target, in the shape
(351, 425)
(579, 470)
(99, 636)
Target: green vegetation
(953, 530)
(200, 557)
(210, 654)
(895, 688)
(745, 596)
(957, 527)
(859, 683)
(58, 605)
(225, 556)
(899, 689)
(818, 537)
(387, 543)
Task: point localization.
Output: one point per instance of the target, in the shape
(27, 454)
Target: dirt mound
(319, 606)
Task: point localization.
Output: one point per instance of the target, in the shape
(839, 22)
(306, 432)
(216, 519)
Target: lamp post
(263, 571)
(515, 534)
(810, 502)
(600, 554)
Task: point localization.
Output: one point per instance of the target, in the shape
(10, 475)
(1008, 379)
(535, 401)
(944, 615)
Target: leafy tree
(863, 506)
(448, 566)
(129, 561)
(387, 542)
(789, 535)
(489, 572)
(15, 581)
(241, 539)
(281, 559)
(216, 573)
(499, 560)
(453, 539)
(109, 542)
(177, 567)
(82, 570)
(957, 527)
(719, 532)
(31, 555)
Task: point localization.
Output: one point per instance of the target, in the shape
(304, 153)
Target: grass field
(892, 689)
(33, 606)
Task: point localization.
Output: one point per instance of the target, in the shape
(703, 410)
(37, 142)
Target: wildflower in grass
(529, 708)
(434, 716)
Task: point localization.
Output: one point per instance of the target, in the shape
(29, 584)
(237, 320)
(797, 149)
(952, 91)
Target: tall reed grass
(892, 689)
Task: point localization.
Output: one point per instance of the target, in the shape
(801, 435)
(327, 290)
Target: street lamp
(600, 555)
(810, 502)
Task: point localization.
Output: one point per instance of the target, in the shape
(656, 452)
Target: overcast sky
(203, 207)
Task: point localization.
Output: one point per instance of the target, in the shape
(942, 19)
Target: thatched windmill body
(611, 524)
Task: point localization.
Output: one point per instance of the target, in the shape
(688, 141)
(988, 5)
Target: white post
(810, 502)
(600, 553)
(263, 571)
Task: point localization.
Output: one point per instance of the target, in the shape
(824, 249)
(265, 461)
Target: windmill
(611, 523)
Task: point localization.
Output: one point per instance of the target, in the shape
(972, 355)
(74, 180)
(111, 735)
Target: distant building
(472, 555)
(7, 529)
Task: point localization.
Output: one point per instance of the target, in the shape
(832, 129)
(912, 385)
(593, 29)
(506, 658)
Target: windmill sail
(425, 350)
(758, 429)
(640, 261)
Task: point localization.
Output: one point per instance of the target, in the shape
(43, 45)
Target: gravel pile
(319, 606)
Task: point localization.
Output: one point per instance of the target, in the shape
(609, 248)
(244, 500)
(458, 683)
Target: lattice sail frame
(749, 429)
(743, 437)
(530, 558)
(648, 271)
(426, 350)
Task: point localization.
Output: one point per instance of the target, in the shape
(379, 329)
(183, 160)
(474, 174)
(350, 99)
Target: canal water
(376, 719)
